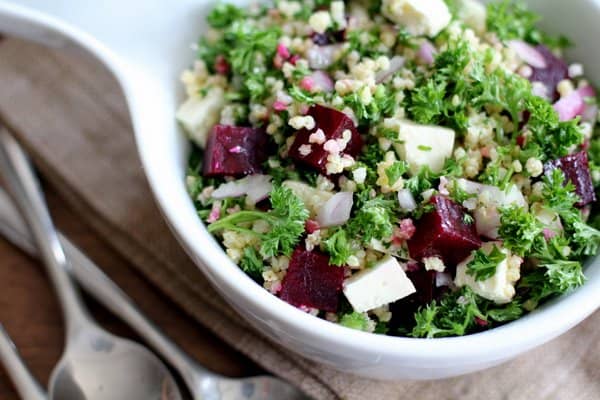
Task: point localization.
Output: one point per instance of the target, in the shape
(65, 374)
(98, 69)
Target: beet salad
(420, 168)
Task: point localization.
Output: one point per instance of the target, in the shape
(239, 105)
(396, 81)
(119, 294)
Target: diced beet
(234, 151)
(576, 169)
(556, 70)
(444, 233)
(333, 123)
(424, 281)
(312, 282)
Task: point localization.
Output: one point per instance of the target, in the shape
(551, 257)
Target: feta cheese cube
(419, 17)
(382, 284)
(199, 114)
(473, 14)
(500, 287)
(422, 144)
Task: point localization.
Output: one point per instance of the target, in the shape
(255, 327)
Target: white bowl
(147, 55)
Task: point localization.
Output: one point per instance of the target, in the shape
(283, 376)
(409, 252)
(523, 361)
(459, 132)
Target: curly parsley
(286, 219)
(483, 265)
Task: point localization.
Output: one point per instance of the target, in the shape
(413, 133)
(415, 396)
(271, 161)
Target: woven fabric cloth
(71, 116)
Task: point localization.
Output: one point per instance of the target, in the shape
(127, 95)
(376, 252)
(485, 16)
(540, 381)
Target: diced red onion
(405, 230)
(284, 97)
(426, 52)
(321, 57)
(283, 51)
(548, 233)
(260, 187)
(443, 186)
(256, 187)
(540, 90)
(279, 105)
(528, 53)
(443, 279)
(570, 106)
(307, 83)
(336, 210)
(215, 212)
(406, 200)
(396, 63)
(590, 113)
(322, 81)
(586, 91)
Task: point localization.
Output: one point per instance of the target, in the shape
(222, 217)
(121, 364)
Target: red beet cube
(577, 170)
(333, 123)
(312, 282)
(234, 151)
(404, 309)
(424, 282)
(444, 233)
(556, 70)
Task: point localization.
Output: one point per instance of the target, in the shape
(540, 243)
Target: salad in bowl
(419, 168)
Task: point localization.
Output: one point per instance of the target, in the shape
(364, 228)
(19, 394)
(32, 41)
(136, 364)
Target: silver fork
(26, 385)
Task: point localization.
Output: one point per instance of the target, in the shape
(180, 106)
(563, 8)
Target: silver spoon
(201, 383)
(95, 365)
(26, 385)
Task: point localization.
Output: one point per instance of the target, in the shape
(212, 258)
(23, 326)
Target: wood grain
(29, 311)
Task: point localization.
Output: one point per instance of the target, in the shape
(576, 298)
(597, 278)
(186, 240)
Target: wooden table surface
(29, 311)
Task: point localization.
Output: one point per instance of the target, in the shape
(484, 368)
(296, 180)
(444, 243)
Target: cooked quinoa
(420, 168)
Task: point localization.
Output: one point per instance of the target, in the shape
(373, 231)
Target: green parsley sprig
(286, 219)
(484, 264)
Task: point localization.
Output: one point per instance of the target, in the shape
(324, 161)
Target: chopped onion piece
(321, 57)
(396, 63)
(256, 187)
(573, 104)
(406, 200)
(322, 81)
(336, 210)
(426, 52)
(528, 53)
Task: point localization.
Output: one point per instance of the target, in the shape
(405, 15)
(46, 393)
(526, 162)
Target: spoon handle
(26, 385)
(22, 184)
(95, 282)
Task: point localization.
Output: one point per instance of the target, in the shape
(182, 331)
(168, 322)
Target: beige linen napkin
(71, 116)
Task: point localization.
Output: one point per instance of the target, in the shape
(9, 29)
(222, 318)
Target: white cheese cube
(199, 114)
(422, 144)
(473, 14)
(419, 17)
(382, 284)
(500, 287)
(314, 199)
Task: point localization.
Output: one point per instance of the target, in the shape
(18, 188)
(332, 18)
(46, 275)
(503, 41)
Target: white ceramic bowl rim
(553, 317)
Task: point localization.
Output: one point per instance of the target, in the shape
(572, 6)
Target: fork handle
(24, 187)
(26, 385)
(95, 282)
